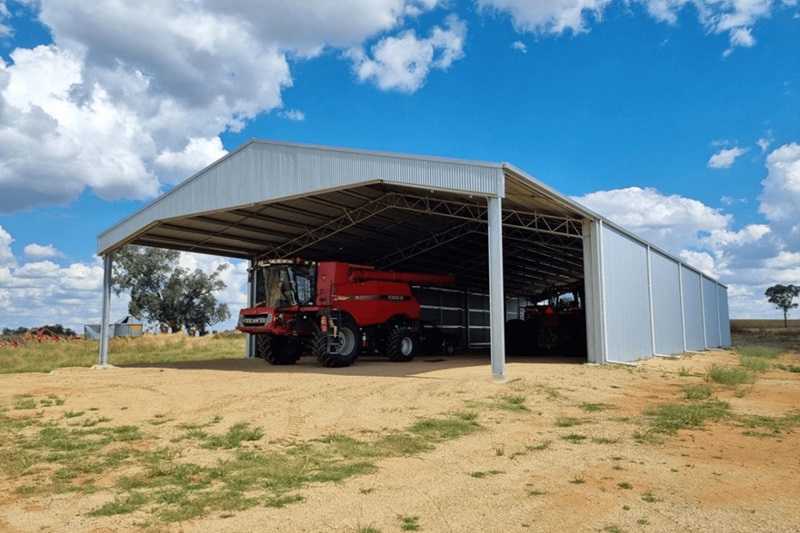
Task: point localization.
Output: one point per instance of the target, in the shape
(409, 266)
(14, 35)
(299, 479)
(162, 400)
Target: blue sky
(678, 119)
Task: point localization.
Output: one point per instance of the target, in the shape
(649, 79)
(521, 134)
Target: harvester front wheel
(401, 345)
(278, 350)
(342, 350)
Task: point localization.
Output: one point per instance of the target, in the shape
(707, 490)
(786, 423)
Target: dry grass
(763, 326)
(48, 356)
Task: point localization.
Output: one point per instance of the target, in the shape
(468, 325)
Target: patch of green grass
(159, 419)
(697, 391)
(506, 402)
(441, 429)
(367, 529)
(409, 523)
(574, 438)
(670, 418)
(24, 401)
(755, 364)
(650, 498)
(282, 501)
(161, 483)
(594, 407)
(91, 422)
(775, 425)
(604, 440)
(125, 504)
(625, 485)
(51, 400)
(567, 422)
(730, 376)
(550, 392)
(788, 368)
(684, 372)
(481, 474)
(73, 414)
(234, 437)
(535, 492)
(577, 480)
(765, 351)
(514, 402)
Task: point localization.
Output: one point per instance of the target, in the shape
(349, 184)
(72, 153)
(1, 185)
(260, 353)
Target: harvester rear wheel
(401, 345)
(278, 350)
(343, 348)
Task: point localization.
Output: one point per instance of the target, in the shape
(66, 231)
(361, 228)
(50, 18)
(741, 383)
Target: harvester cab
(281, 284)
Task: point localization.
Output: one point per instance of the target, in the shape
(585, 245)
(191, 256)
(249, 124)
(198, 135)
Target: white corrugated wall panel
(627, 299)
(711, 313)
(667, 323)
(693, 310)
(724, 317)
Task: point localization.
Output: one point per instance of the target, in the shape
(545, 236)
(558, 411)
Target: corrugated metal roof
(390, 210)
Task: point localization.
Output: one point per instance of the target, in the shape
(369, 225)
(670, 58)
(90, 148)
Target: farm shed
(126, 327)
(508, 238)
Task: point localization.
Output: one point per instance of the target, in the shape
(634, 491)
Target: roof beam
(348, 219)
(537, 222)
(433, 241)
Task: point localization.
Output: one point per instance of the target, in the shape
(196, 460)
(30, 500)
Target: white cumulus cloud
(548, 16)
(671, 222)
(196, 154)
(293, 114)
(726, 157)
(780, 199)
(737, 18)
(403, 63)
(7, 258)
(41, 291)
(130, 97)
(37, 251)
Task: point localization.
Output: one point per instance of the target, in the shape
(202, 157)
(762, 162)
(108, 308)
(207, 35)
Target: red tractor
(334, 311)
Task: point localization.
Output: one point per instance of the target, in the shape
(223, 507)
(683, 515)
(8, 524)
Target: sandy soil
(712, 479)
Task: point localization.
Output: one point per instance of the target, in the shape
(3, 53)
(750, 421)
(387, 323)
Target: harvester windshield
(285, 284)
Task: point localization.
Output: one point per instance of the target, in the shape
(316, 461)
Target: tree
(165, 293)
(782, 296)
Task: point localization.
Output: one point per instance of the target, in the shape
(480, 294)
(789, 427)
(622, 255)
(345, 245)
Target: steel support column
(494, 217)
(104, 321)
(250, 349)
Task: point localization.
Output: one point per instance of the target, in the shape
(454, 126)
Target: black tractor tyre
(278, 350)
(349, 341)
(401, 345)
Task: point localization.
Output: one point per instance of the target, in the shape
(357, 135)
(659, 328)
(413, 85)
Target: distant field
(748, 325)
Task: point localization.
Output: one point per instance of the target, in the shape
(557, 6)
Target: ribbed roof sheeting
(261, 172)
(394, 211)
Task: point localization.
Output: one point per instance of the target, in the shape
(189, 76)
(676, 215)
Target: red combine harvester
(334, 311)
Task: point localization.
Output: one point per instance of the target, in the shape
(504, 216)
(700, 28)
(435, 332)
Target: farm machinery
(554, 325)
(334, 311)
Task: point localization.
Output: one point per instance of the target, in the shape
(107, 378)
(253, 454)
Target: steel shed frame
(501, 231)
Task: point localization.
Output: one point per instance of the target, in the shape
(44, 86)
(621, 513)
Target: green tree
(782, 296)
(163, 292)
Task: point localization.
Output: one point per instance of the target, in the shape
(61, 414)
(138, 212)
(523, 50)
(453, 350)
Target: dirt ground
(518, 474)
